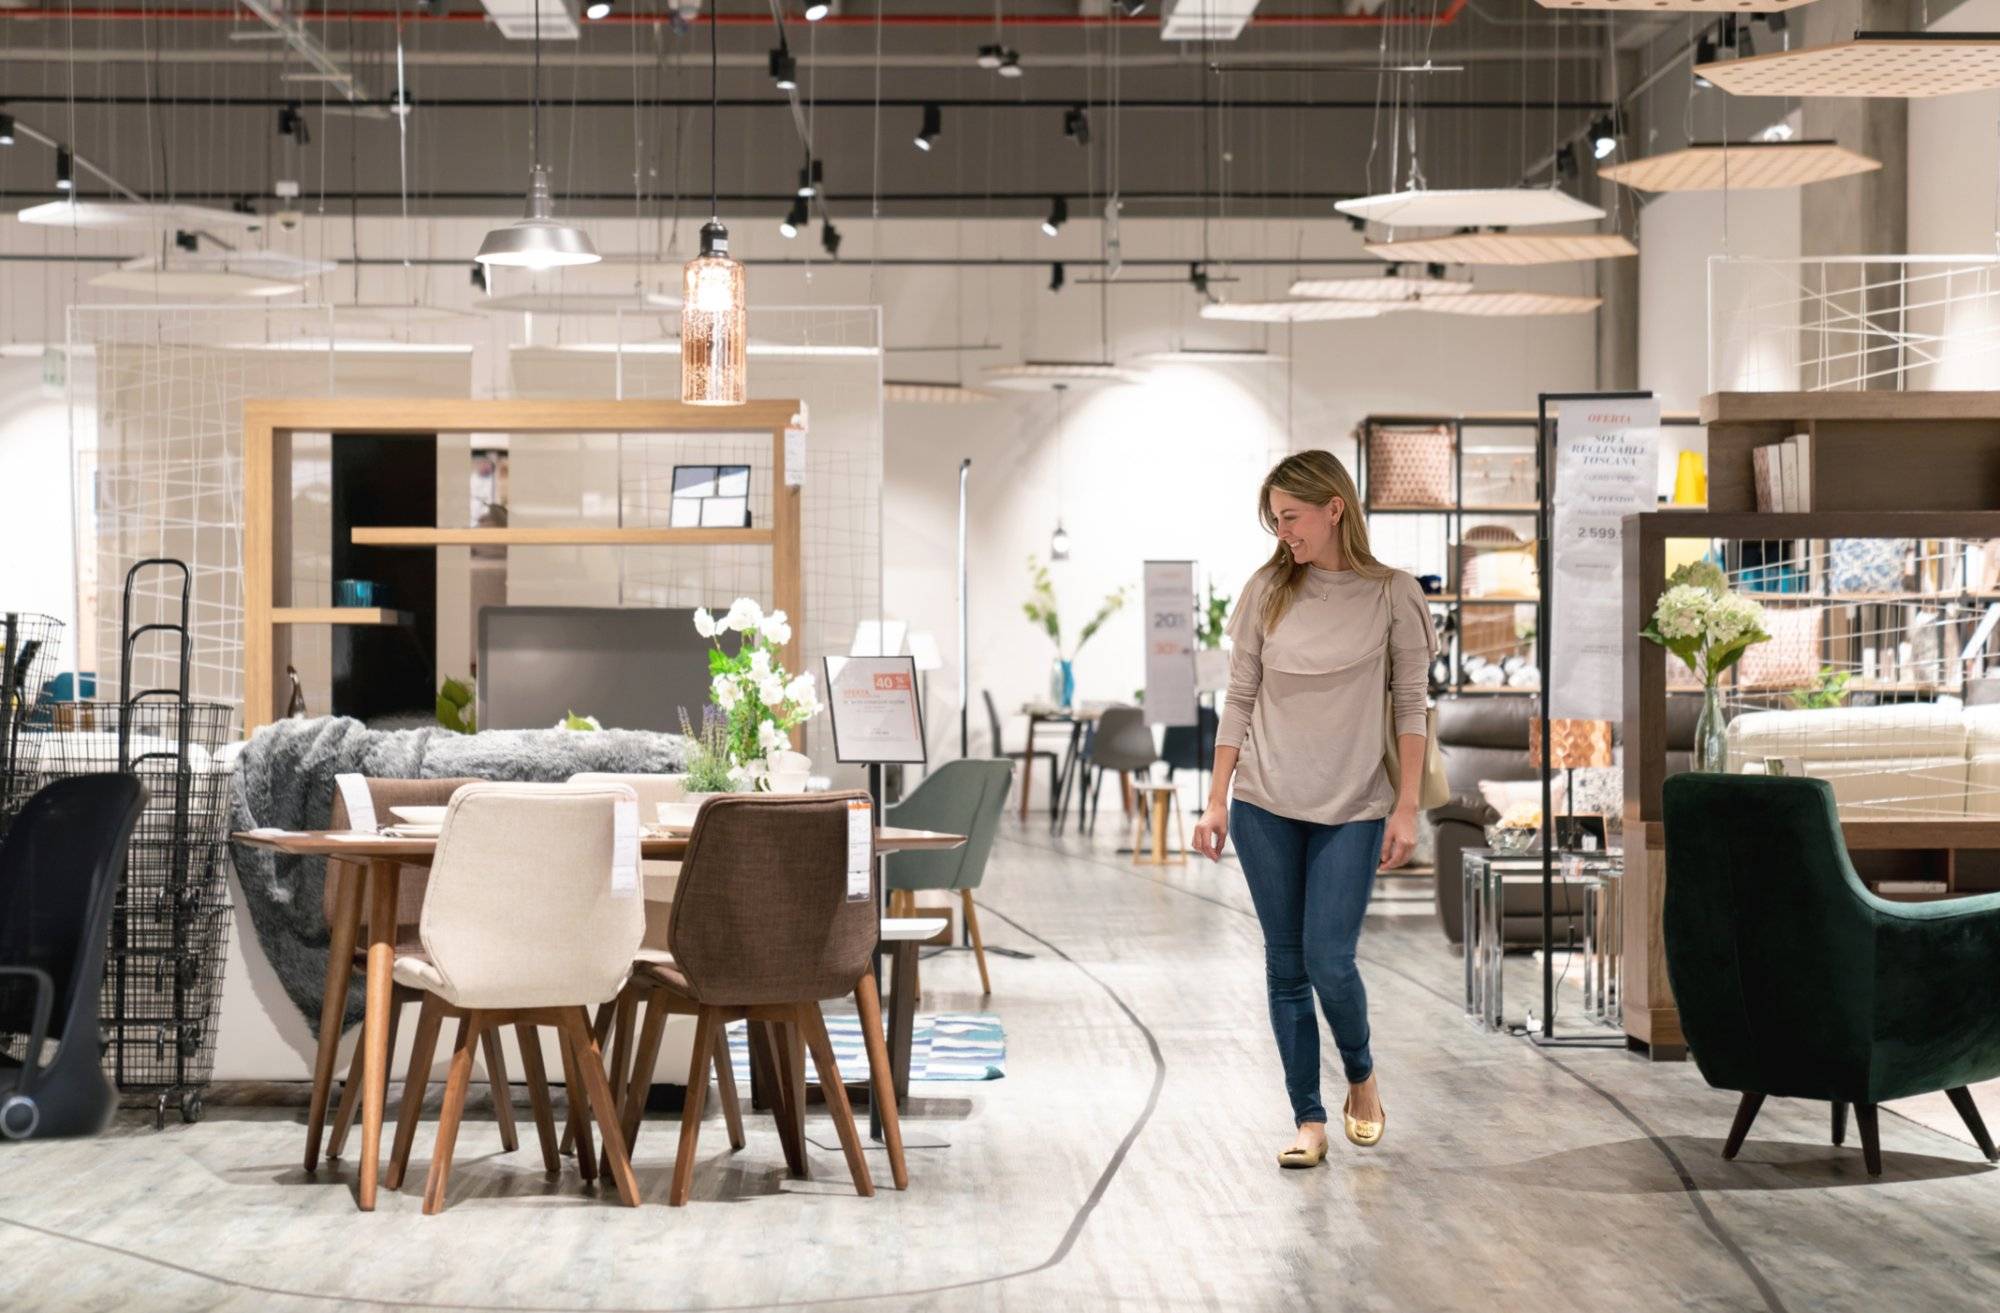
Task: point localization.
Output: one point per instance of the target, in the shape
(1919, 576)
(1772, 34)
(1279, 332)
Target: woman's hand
(1211, 831)
(1399, 837)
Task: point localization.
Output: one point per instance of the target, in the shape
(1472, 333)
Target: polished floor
(1125, 1161)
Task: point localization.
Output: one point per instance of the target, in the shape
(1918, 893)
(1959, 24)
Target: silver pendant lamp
(538, 240)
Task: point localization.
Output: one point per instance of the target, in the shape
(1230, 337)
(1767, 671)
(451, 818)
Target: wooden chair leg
(978, 943)
(602, 1105)
(534, 1071)
(632, 1114)
(697, 1087)
(1871, 1138)
(881, 1079)
(1961, 1099)
(835, 1089)
(1746, 1112)
(414, 1083)
(350, 1095)
(579, 1109)
(333, 1000)
(455, 1086)
(600, 1030)
(501, 1088)
(725, 1089)
(766, 1051)
(1839, 1122)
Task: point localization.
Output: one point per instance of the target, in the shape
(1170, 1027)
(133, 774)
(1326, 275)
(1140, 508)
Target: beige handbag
(1434, 789)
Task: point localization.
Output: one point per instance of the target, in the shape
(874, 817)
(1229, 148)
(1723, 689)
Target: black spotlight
(1076, 125)
(1056, 278)
(933, 125)
(784, 69)
(1435, 270)
(1198, 278)
(6, 129)
(989, 58)
(795, 218)
(1566, 161)
(65, 169)
(1357, 223)
(829, 239)
(479, 275)
(809, 178)
(186, 241)
(1058, 216)
(291, 123)
(1603, 137)
(1010, 63)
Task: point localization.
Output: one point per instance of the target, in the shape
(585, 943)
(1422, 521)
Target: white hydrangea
(704, 623)
(744, 616)
(1731, 617)
(776, 628)
(771, 689)
(760, 664)
(1683, 612)
(803, 694)
(725, 692)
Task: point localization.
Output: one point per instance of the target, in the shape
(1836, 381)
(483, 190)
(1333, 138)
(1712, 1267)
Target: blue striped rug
(943, 1046)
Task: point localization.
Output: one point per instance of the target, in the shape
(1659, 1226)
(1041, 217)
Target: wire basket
(29, 645)
(170, 927)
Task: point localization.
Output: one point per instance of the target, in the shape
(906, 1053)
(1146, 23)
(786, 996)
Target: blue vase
(1068, 683)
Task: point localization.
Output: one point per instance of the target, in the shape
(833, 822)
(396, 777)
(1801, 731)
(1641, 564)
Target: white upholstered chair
(527, 921)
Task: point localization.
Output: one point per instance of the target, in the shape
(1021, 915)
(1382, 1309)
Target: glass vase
(1711, 737)
(1062, 683)
(1068, 684)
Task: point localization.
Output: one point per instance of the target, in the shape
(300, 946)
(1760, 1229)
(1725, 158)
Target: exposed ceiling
(181, 100)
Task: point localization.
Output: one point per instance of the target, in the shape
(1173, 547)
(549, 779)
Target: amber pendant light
(714, 318)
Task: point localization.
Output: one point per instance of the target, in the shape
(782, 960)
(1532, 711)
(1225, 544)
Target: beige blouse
(1305, 700)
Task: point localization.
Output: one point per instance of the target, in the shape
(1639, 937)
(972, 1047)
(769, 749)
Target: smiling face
(1304, 528)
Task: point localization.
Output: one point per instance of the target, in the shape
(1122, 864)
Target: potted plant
(1041, 610)
(1709, 628)
(758, 700)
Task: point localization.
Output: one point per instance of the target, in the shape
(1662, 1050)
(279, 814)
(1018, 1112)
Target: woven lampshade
(1578, 743)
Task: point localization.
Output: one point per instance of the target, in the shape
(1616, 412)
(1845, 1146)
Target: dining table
(1077, 719)
(383, 855)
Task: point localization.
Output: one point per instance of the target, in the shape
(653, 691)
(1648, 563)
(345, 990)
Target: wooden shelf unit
(1870, 451)
(1455, 514)
(268, 426)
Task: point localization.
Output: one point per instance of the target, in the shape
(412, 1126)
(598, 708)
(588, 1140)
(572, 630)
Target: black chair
(59, 870)
(1190, 747)
(1024, 756)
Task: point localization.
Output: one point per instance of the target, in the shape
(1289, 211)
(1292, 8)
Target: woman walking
(1319, 632)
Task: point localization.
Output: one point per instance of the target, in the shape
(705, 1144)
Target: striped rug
(944, 1046)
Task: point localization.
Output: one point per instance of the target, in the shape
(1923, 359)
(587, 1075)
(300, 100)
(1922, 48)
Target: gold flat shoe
(1296, 1159)
(1365, 1135)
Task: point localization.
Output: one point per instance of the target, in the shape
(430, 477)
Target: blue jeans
(1310, 883)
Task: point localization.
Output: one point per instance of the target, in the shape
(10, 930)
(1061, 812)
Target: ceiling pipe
(425, 103)
(125, 13)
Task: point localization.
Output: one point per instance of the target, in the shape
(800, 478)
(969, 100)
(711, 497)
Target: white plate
(414, 831)
(432, 816)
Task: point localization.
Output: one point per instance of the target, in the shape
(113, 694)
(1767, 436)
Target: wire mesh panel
(28, 646)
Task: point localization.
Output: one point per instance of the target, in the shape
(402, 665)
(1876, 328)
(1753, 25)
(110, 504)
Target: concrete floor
(1126, 1160)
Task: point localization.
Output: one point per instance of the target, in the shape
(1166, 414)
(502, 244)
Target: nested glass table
(1591, 878)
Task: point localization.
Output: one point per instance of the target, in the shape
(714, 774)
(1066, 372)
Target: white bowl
(790, 781)
(421, 815)
(677, 815)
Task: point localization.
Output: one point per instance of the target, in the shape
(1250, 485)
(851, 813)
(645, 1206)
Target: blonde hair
(1316, 477)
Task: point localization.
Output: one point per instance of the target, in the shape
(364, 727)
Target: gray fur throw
(284, 778)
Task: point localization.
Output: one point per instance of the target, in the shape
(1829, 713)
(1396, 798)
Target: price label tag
(625, 846)
(860, 851)
(360, 803)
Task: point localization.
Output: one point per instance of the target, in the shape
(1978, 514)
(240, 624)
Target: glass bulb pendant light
(714, 310)
(538, 240)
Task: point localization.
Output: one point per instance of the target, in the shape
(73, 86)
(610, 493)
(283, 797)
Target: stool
(1156, 802)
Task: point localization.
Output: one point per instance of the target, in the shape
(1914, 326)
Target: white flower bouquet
(1704, 624)
(759, 701)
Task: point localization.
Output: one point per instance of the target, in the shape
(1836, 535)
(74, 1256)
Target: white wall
(35, 532)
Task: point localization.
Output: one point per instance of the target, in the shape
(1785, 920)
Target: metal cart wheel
(191, 1108)
(160, 1111)
(19, 1116)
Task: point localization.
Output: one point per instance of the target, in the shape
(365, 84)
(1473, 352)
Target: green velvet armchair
(1794, 980)
(960, 797)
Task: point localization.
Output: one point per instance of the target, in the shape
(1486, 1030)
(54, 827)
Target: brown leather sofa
(1486, 738)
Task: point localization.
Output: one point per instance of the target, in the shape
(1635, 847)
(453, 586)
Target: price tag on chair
(360, 803)
(625, 846)
(860, 851)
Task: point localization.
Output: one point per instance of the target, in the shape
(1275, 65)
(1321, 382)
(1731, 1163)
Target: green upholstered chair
(1794, 980)
(960, 797)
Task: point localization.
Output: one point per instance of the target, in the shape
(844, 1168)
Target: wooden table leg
(383, 878)
(1027, 768)
(902, 1016)
(333, 998)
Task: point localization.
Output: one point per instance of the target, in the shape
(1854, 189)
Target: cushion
(1501, 795)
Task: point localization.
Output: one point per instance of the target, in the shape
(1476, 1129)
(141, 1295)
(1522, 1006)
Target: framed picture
(711, 497)
(1580, 834)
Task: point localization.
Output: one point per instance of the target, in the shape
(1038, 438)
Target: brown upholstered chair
(763, 929)
(342, 898)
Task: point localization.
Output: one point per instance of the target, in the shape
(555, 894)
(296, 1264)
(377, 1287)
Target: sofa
(1485, 737)
(1908, 760)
